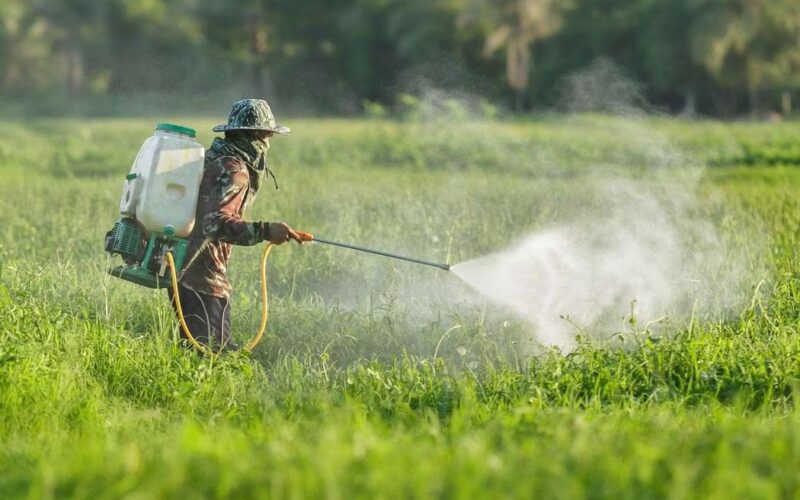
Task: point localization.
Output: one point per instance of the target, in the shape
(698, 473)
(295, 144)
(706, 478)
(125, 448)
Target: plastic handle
(305, 236)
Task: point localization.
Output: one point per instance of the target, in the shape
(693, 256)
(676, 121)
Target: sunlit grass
(345, 396)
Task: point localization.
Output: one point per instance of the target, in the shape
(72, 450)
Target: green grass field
(357, 391)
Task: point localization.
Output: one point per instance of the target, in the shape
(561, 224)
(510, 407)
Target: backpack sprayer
(159, 200)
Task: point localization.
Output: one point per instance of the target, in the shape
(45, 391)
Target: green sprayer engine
(158, 206)
(143, 253)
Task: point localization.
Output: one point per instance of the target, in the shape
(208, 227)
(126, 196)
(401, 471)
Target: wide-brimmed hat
(252, 114)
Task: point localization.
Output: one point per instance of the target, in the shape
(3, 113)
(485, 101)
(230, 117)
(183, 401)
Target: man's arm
(223, 223)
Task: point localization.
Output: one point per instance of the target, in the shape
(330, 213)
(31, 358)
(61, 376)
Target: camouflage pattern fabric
(252, 152)
(252, 114)
(225, 193)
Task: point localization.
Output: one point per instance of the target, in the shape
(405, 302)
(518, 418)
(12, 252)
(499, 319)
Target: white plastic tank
(162, 187)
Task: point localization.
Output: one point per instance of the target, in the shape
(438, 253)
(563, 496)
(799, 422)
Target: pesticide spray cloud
(640, 250)
(622, 239)
(639, 258)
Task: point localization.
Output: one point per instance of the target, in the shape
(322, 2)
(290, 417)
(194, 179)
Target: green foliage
(364, 387)
(719, 57)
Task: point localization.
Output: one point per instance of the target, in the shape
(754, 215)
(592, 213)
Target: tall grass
(378, 378)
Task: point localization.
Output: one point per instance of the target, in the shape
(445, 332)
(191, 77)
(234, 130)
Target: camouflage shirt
(225, 193)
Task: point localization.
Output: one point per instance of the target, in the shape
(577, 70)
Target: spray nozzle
(305, 236)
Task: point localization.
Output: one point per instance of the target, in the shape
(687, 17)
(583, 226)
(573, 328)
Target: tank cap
(178, 129)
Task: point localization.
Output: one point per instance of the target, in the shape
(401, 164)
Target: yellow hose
(264, 304)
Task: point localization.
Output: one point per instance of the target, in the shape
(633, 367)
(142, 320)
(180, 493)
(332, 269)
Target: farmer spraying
(235, 168)
(183, 209)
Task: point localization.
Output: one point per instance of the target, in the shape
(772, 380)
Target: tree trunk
(258, 51)
(74, 69)
(518, 60)
(8, 73)
(753, 100)
(786, 102)
(690, 103)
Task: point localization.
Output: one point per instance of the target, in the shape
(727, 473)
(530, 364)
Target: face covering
(253, 152)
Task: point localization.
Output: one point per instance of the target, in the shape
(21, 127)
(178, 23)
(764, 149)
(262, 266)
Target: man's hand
(280, 232)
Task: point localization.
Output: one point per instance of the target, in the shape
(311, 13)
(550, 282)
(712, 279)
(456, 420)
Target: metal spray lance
(310, 237)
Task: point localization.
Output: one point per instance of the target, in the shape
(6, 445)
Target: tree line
(715, 57)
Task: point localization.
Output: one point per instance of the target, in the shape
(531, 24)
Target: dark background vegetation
(714, 57)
